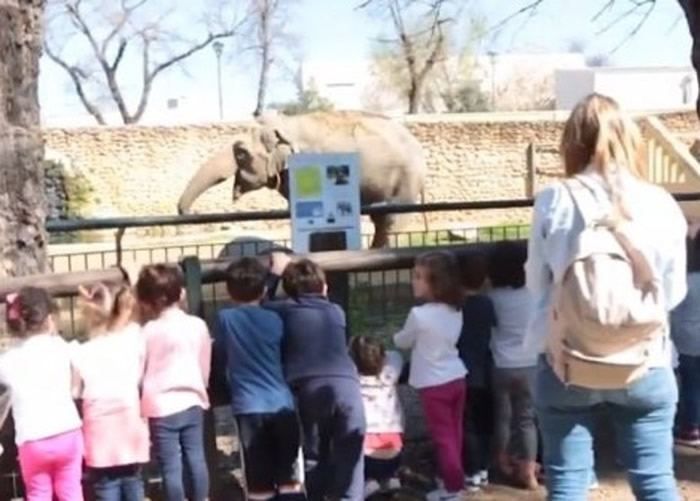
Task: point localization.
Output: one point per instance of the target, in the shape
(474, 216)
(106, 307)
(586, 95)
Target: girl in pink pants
(37, 371)
(431, 332)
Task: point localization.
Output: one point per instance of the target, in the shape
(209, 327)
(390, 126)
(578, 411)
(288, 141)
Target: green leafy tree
(308, 100)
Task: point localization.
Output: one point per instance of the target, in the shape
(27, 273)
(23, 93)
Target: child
(685, 333)
(323, 379)
(37, 372)
(110, 366)
(515, 367)
(178, 357)
(379, 375)
(431, 332)
(474, 342)
(250, 339)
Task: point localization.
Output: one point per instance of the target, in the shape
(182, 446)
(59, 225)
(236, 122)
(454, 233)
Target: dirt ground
(419, 472)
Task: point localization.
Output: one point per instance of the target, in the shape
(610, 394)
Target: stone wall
(139, 171)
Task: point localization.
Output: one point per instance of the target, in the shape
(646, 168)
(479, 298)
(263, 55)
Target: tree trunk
(414, 95)
(691, 9)
(22, 204)
(262, 83)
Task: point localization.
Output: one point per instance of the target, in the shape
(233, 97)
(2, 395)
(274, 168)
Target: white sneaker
(473, 482)
(484, 474)
(443, 495)
(393, 484)
(371, 487)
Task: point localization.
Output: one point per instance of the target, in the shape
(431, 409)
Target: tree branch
(75, 75)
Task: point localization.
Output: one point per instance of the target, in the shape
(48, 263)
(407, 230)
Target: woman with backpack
(606, 263)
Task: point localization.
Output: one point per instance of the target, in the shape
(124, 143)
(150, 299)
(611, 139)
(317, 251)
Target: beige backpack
(607, 309)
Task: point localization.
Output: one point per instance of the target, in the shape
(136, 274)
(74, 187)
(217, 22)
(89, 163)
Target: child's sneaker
(371, 487)
(484, 474)
(393, 484)
(473, 482)
(690, 438)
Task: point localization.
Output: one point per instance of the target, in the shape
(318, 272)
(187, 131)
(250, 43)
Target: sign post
(324, 198)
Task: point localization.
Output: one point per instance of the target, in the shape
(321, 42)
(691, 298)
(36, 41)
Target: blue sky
(333, 29)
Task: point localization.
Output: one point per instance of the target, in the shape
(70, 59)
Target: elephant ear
(275, 133)
(241, 155)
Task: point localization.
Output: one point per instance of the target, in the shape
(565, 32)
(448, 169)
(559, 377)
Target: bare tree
(92, 39)
(22, 205)
(642, 10)
(268, 22)
(419, 38)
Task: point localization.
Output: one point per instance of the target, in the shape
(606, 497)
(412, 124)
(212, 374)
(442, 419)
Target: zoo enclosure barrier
(375, 279)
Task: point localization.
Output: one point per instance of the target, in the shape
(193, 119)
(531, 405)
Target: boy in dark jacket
(324, 380)
(474, 343)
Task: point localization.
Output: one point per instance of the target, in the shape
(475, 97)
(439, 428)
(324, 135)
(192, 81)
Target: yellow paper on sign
(308, 182)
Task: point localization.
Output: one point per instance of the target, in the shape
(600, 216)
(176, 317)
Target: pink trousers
(444, 407)
(52, 467)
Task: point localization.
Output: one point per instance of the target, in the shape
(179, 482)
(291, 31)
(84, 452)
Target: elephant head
(255, 161)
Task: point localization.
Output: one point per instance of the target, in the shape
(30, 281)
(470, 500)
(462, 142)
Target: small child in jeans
(431, 332)
(250, 338)
(37, 371)
(323, 379)
(178, 358)
(685, 333)
(379, 374)
(110, 367)
(479, 319)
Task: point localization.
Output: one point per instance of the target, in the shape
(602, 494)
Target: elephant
(391, 161)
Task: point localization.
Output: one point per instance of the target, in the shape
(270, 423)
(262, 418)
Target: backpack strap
(585, 200)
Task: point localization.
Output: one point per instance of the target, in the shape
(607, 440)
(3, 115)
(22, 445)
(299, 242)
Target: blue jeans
(643, 418)
(689, 370)
(119, 483)
(178, 439)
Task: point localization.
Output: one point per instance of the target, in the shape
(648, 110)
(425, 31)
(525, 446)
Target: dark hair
(692, 246)
(27, 311)
(507, 265)
(442, 276)
(159, 286)
(245, 279)
(303, 277)
(474, 270)
(368, 355)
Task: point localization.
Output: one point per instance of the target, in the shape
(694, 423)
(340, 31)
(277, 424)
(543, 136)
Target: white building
(353, 85)
(634, 88)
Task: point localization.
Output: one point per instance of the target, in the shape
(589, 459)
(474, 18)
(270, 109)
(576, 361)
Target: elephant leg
(382, 228)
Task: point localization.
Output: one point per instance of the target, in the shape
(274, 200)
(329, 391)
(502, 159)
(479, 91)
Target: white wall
(571, 85)
(633, 88)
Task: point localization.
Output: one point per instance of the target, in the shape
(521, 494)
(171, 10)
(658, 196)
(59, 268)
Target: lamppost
(218, 49)
(492, 57)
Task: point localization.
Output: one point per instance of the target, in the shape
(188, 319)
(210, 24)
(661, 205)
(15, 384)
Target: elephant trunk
(216, 170)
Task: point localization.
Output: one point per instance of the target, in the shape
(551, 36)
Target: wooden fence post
(192, 269)
(531, 181)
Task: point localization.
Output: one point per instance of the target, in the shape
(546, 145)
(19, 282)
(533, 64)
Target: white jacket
(381, 399)
(432, 331)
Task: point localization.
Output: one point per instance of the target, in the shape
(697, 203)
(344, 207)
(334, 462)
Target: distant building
(634, 88)
(354, 85)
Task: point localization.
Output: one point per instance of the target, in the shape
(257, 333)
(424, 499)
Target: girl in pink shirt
(110, 367)
(178, 358)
